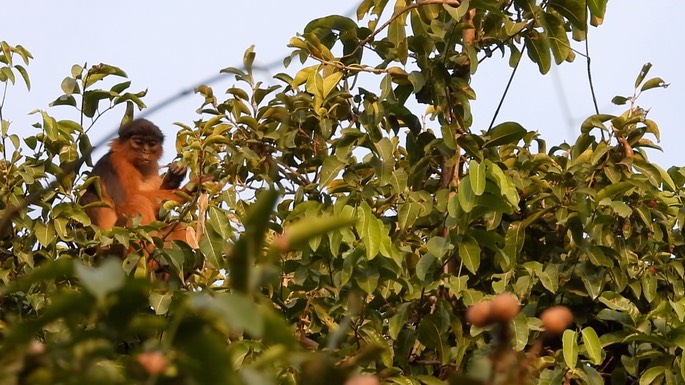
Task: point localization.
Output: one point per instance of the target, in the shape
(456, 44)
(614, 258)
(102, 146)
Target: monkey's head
(142, 142)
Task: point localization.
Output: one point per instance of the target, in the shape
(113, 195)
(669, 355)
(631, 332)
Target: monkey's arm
(174, 177)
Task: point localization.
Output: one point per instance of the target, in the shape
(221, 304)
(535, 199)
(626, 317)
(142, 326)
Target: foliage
(343, 233)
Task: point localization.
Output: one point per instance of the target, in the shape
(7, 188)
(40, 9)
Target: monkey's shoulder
(109, 179)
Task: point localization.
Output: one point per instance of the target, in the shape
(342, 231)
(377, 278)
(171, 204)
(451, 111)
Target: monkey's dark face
(147, 150)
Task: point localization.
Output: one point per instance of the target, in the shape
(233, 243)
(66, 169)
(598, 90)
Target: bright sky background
(168, 46)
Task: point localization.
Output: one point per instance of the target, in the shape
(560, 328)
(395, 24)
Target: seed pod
(556, 319)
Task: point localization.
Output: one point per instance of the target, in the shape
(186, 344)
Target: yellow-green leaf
(570, 348)
(592, 345)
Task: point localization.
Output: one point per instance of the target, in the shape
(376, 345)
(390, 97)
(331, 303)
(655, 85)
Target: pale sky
(170, 45)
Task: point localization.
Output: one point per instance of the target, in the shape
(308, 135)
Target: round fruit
(153, 362)
(505, 307)
(480, 314)
(556, 319)
(362, 380)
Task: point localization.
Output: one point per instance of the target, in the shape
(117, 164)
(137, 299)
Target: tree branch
(394, 17)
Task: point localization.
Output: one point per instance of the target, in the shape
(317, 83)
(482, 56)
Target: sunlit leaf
(505, 133)
(592, 345)
(469, 252)
(477, 176)
(467, 199)
(650, 375)
(570, 348)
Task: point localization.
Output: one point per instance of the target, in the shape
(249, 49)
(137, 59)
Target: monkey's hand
(196, 182)
(174, 176)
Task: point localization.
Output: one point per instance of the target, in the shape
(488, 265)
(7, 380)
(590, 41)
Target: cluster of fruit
(504, 307)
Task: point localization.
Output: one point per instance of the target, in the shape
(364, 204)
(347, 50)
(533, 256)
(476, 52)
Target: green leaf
(592, 345)
(668, 182)
(549, 278)
(76, 71)
(387, 91)
(506, 186)
(458, 12)
(44, 272)
(330, 82)
(417, 80)
(649, 286)
(398, 180)
(513, 241)
(477, 177)
(438, 246)
(469, 252)
(212, 246)
(69, 86)
(298, 234)
(256, 224)
(650, 375)
(653, 83)
(556, 36)
(219, 222)
(368, 280)
(472, 145)
(511, 28)
(25, 75)
(612, 190)
(467, 199)
(408, 213)
(424, 265)
(597, 7)
(458, 284)
(505, 133)
(593, 377)
(573, 10)
(397, 34)
(329, 170)
(649, 170)
(425, 379)
(520, 331)
(160, 302)
(370, 229)
(385, 149)
(248, 58)
(570, 348)
(619, 100)
(621, 209)
(643, 72)
(399, 320)
(593, 280)
(237, 311)
(430, 334)
(102, 280)
(539, 51)
(45, 233)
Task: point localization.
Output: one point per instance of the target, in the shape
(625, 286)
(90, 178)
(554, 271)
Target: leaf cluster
(342, 233)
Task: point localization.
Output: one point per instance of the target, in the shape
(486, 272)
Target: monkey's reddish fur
(129, 178)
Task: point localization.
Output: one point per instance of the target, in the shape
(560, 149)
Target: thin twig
(352, 68)
(589, 62)
(506, 90)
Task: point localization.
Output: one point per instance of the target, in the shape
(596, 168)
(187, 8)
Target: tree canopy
(343, 231)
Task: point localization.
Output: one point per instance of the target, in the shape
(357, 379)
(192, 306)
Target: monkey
(130, 184)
